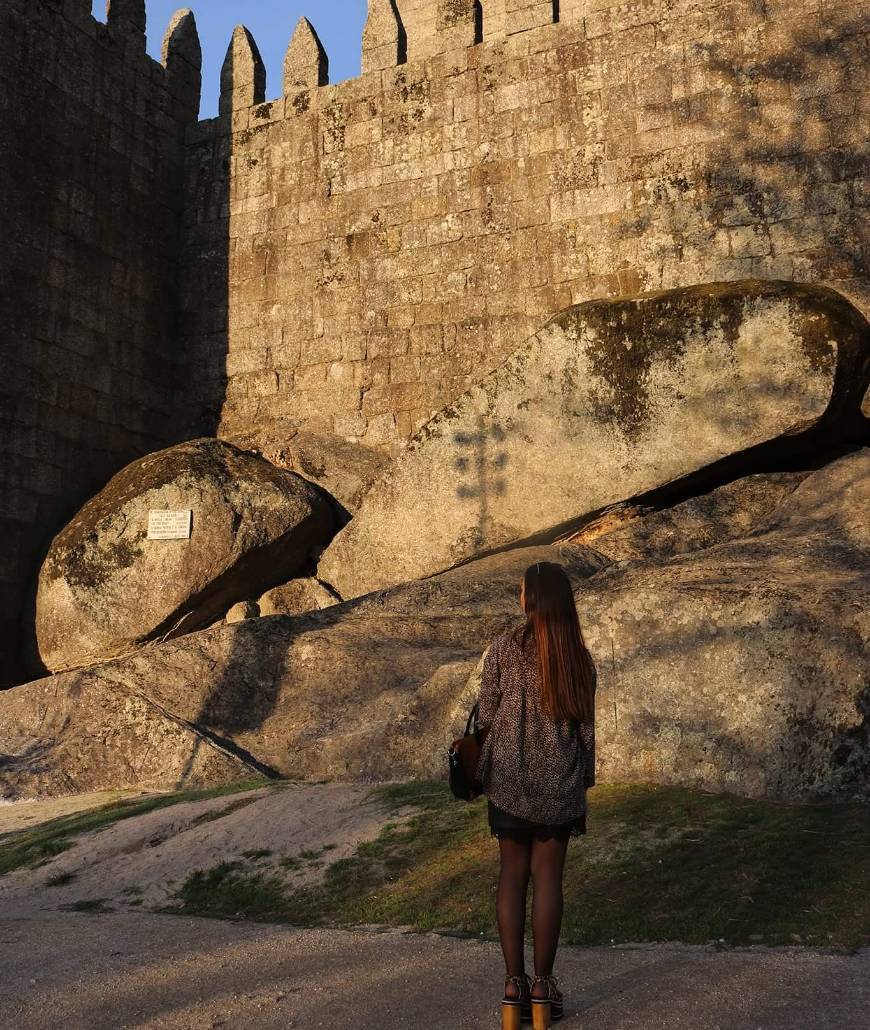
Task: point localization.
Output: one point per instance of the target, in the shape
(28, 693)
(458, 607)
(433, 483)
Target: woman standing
(537, 695)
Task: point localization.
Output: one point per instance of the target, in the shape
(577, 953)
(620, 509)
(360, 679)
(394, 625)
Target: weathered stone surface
(365, 690)
(738, 667)
(384, 39)
(297, 597)
(744, 667)
(126, 16)
(243, 75)
(357, 690)
(105, 589)
(90, 361)
(182, 59)
(78, 9)
(726, 513)
(241, 611)
(609, 400)
(459, 200)
(459, 24)
(306, 64)
(344, 470)
(436, 27)
(361, 254)
(74, 733)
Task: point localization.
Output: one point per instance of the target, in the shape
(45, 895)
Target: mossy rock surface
(105, 589)
(609, 401)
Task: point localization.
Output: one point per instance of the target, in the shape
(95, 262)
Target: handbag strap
(472, 715)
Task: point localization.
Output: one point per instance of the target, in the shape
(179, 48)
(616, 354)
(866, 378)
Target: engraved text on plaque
(169, 525)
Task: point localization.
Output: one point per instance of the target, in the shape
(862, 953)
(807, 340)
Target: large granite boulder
(105, 589)
(76, 733)
(728, 512)
(609, 401)
(344, 469)
(741, 666)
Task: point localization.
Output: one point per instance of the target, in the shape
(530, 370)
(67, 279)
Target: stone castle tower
(350, 257)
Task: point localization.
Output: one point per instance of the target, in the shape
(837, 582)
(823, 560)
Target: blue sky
(339, 23)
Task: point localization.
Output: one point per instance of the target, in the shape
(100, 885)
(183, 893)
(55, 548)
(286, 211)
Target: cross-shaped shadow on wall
(481, 465)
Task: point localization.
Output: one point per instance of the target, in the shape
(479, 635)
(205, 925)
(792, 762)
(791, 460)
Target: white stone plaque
(169, 525)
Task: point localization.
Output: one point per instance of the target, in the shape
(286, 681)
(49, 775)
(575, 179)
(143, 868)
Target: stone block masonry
(355, 255)
(91, 163)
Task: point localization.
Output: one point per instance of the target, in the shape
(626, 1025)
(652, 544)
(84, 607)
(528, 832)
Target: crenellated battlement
(180, 67)
(182, 61)
(127, 18)
(243, 76)
(306, 65)
(396, 32)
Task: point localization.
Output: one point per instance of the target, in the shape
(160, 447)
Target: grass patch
(228, 890)
(35, 847)
(657, 864)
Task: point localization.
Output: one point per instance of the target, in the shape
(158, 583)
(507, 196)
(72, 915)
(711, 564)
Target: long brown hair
(566, 667)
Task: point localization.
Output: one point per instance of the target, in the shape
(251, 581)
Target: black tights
(543, 861)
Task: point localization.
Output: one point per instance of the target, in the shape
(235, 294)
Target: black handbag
(462, 758)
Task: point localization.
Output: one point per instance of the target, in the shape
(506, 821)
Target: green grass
(657, 864)
(226, 890)
(37, 846)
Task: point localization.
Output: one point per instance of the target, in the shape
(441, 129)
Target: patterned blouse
(529, 766)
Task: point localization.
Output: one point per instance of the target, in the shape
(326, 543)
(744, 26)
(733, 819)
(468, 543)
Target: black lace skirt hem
(504, 824)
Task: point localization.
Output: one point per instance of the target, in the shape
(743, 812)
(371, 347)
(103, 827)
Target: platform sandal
(515, 1010)
(552, 1005)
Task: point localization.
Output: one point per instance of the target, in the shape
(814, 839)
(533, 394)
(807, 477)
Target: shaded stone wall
(356, 254)
(91, 157)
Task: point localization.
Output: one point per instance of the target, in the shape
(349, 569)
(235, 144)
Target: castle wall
(355, 255)
(91, 145)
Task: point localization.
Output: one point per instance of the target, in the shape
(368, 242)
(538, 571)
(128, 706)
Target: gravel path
(143, 970)
(133, 968)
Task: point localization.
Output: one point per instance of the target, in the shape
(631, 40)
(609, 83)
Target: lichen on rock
(610, 400)
(105, 589)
